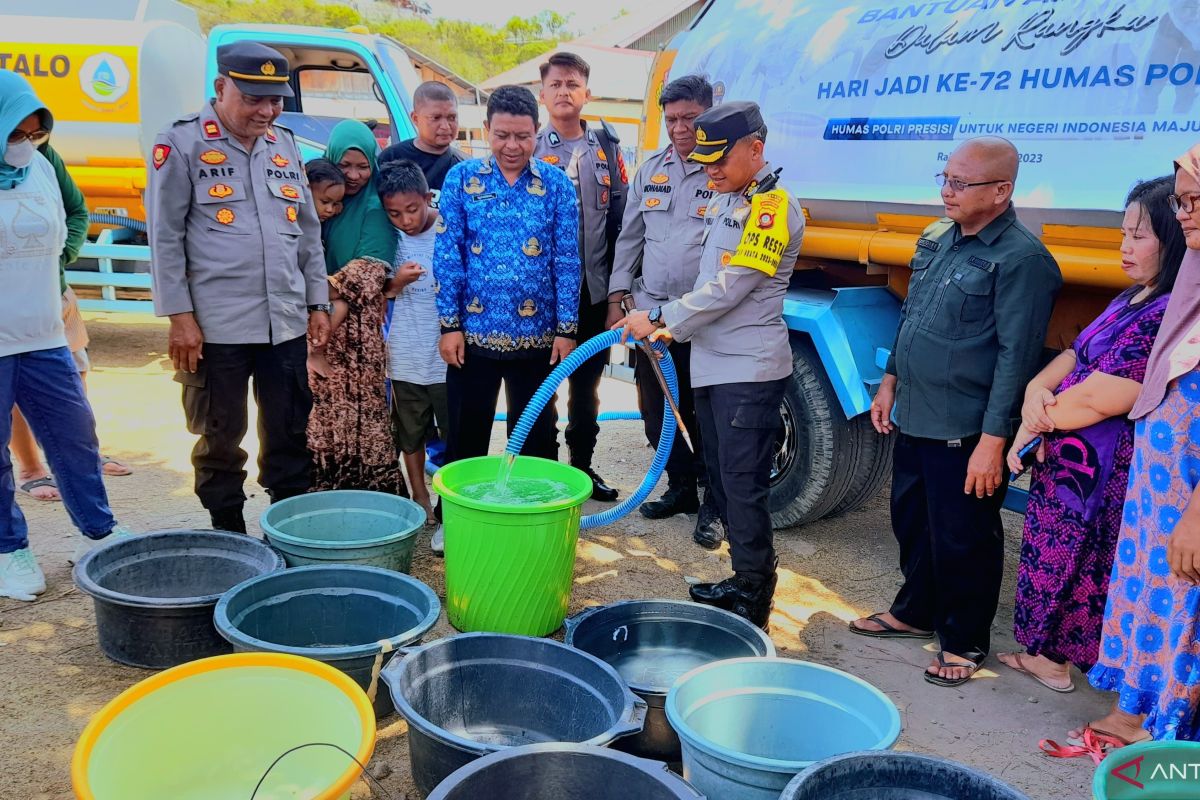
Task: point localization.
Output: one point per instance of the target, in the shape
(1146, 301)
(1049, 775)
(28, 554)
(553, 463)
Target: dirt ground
(55, 677)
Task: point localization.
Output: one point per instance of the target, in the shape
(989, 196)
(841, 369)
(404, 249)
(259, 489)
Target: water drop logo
(104, 78)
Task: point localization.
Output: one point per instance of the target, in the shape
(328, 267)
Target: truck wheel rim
(785, 444)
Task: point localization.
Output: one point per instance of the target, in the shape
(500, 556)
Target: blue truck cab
(336, 75)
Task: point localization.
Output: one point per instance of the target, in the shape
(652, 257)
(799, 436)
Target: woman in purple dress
(1078, 405)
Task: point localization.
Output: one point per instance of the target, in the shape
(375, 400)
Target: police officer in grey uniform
(741, 359)
(592, 160)
(657, 260)
(239, 269)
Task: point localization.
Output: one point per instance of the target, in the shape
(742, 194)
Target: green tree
(474, 51)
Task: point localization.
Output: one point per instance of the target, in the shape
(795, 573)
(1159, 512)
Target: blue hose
(545, 392)
(603, 416)
(135, 225)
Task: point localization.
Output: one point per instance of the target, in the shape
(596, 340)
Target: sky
(588, 14)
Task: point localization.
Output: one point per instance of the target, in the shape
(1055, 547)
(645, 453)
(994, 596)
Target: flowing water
(516, 491)
(506, 466)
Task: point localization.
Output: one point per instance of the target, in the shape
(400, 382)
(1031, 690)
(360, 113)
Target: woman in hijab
(1150, 642)
(349, 430)
(362, 230)
(37, 372)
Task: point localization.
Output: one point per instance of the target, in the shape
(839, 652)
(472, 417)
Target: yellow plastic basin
(210, 729)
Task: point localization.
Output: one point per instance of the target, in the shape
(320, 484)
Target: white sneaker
(20, 576)
(438, 543)
(87, 545)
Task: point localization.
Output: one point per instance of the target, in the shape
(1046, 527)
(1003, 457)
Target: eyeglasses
(960, 186)
(1185, 202)
(38, 137)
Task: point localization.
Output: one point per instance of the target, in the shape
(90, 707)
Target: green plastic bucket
(509, 568)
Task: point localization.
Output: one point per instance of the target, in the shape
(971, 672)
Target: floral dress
(1150, 651)
(1076, 496)
(349, 429)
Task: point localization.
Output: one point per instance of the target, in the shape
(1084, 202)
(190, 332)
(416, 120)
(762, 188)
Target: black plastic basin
(564, 772)
(155, 593)
(476, 693)
(886, 775)
(651, 643)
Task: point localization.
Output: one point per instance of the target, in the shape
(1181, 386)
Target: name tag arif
(929, 244)
(488, 196)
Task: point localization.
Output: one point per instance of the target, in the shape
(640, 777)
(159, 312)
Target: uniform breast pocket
(603, 188)
(223, 202)
(725, 238)
(286, 208)
(656, 207)
(918, 279)
(966, 301)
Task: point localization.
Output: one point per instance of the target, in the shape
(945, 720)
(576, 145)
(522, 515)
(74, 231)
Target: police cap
(255, 69)
(720, 127)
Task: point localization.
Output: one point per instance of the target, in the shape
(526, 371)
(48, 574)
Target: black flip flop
(889, 631)
(37, 483)
(974, 656)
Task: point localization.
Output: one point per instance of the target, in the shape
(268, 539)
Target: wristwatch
(326, 307)
(655, 317)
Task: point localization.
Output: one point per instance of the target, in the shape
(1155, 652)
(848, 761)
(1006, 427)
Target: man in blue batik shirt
(507, 264)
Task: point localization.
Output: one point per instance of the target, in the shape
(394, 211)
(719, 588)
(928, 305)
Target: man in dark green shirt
(970, 338)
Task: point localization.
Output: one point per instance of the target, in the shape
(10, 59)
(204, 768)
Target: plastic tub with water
(155, 593)
(653, 642)
(352, 617)
(748, 725)
(345, 527)
(510, 564)
(476, 693)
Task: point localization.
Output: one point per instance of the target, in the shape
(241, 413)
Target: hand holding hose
(638, 325)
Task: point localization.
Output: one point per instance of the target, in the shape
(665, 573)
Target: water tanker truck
(864, 101)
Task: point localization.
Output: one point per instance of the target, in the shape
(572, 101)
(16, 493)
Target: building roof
(616, 73)
(628, 28)
(419, 59)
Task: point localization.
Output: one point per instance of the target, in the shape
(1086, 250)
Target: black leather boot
(709, 531)
(228, 519)
(600, 489)
(675, 500)
(743, 596)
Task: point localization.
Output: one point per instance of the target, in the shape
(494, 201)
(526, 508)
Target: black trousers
(739, 423)
(214, 403)
(583, 398)
(472, 391)
(951, 544)
(684, 468)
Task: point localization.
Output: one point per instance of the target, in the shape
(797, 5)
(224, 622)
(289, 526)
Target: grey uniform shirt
(586, 164)
(234, 236)
(658, 252)
(734, 315)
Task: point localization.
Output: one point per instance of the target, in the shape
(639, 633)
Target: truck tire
(872, 458)
(811, 473)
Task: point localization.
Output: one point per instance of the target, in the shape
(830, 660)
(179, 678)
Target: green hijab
(363, 228)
